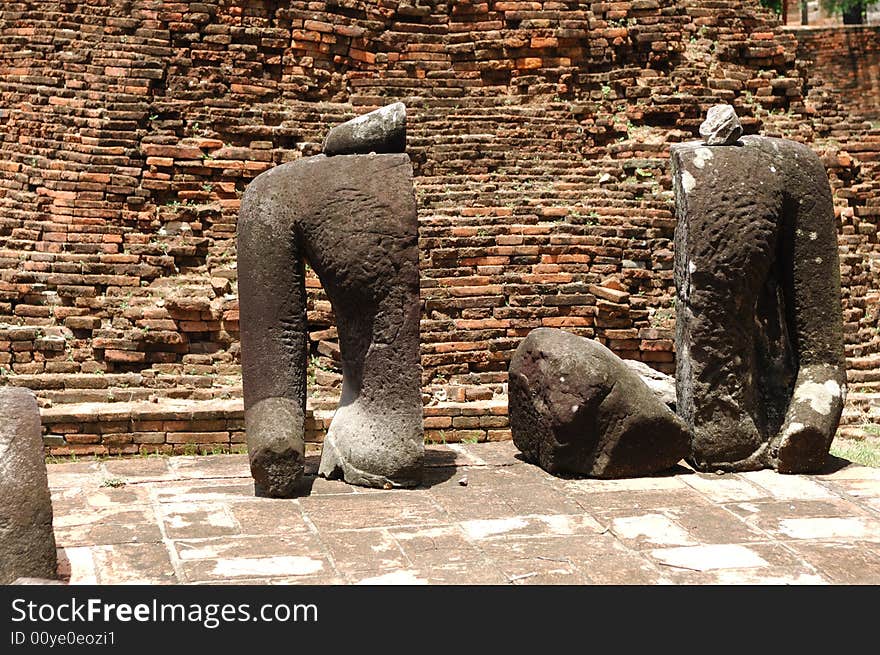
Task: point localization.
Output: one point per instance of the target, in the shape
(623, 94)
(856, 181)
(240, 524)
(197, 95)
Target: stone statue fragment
(721, 127)
(760, 367)
(380, 131)
(27, 541)
(575, 407)
(353, 219)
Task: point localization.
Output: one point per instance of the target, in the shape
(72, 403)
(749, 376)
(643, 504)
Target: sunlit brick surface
(195, 520)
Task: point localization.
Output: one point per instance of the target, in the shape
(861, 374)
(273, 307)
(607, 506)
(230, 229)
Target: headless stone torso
(756, 270)
(734, 298)
(353, 217)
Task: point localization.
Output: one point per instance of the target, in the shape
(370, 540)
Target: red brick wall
(539, 133)
(842, 66)
(844, 61)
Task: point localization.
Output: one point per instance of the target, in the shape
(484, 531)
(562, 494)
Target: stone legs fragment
(760, 364)
(27, 542)
(353, 218)
(575, 407)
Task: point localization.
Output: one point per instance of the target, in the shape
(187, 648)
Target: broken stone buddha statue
(760, 372)
(351, 214)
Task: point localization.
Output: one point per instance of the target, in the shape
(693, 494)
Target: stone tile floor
(195, 520)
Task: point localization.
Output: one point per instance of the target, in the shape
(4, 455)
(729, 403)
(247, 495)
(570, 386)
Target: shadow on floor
(678, 469)
(438, 468)
(833, 464)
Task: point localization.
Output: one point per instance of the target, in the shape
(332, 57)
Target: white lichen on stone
(654, 528)
(710, 557)
(701, 156)
(262, 566)
(688, 183)
(820, 396)
(566, 524)
(830, 527)
(384, 546)
(187, 553)
(394, 578)
(793, 428)
(482, 528)
(813, 236)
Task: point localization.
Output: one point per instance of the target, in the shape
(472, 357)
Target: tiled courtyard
(482, 517)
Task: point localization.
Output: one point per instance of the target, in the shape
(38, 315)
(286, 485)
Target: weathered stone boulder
(759, 337)
(353, 218)
(379, 131)
(27, 542)
(575, 407)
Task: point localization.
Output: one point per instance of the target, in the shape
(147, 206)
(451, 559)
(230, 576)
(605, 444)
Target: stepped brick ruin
(539, 134)
(845, 65)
